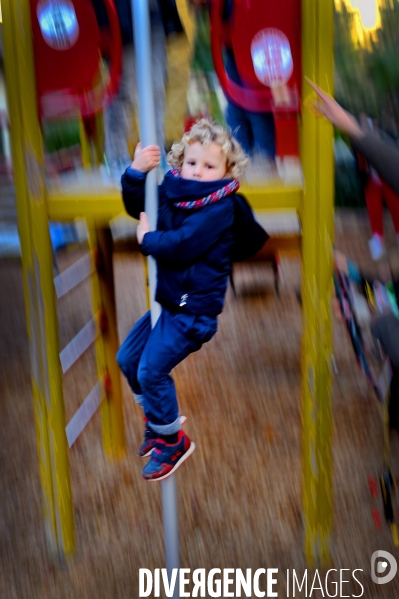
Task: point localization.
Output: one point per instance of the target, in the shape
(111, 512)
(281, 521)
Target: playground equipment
(66, 43)
(37, 203)
(70, 78)
(39, 291)
(265, 40)
(148, 137)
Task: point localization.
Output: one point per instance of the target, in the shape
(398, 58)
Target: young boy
(192, 246)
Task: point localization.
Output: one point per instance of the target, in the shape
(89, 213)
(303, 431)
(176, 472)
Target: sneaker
(148, 444)
(377, 247)
(150, 437)
(165, 459)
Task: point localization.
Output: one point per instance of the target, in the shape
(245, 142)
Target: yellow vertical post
(100, 138)
(147, 284)
(92, 149)
(103, 299)
(318, 229)
(37, 263)
(85, 145)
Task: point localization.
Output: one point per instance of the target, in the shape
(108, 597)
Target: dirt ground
(240, 494)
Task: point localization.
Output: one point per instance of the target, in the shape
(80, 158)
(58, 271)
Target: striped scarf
(213, 197)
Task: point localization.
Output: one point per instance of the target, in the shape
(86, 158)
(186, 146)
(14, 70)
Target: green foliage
(348, 192)
(202, 67)
(367, 77)
(202, 60)
(367, 80)
(60, 134)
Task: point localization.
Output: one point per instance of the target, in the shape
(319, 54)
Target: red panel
(250, 17)
(282, 21)
(74, 68)
(287, 143)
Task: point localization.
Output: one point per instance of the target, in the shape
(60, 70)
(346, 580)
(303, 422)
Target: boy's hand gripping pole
(141, 28)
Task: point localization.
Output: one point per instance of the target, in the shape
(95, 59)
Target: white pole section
(142, 36)
(148, 136)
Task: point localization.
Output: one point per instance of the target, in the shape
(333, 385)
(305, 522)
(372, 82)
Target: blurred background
(240, 498)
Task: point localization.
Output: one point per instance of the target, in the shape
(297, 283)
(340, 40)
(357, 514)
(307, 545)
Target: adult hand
(146, 158)
(143, 227)
(339, 117)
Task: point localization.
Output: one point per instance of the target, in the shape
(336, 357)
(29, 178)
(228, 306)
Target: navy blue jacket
(192, 248)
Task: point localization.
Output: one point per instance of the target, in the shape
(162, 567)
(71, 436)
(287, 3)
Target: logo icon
(379, 567)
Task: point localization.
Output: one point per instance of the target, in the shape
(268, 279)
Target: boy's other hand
(337, 116)
(143, 227)
(146, 158)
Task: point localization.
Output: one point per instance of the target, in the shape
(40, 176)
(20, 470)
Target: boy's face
(204, 163)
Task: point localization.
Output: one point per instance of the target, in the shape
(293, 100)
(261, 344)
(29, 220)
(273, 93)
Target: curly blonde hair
(205, 132)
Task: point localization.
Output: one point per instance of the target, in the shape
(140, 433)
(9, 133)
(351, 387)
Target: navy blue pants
(147, 356)
(254, 131)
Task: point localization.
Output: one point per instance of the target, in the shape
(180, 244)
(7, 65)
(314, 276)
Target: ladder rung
(276, 222)
(75, 274)
(79, 344)
(84, 413)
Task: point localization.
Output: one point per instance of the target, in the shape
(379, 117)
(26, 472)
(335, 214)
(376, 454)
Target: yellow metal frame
(103, 204)
(92, 149)
(34, 211)
(317, 216)
(36, 205)
(107, 344)
(37, 263)
(97, 204)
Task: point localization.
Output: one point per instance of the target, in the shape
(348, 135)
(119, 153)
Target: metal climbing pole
(141, 24)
